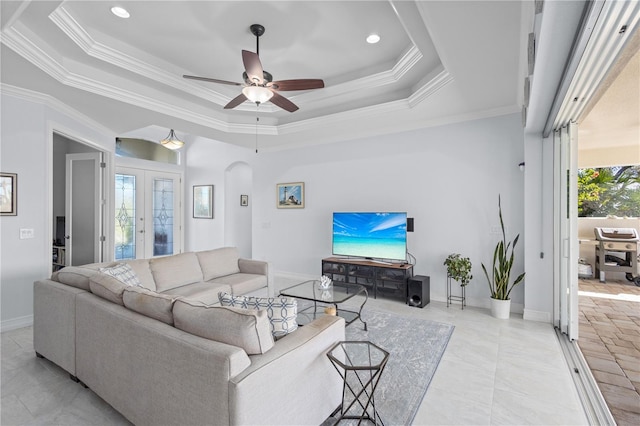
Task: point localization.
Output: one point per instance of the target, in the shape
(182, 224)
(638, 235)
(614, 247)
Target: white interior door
(148, 219)
(566, 230)
(84, 208)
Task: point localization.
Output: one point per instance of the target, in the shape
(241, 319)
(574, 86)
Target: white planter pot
(500, 308)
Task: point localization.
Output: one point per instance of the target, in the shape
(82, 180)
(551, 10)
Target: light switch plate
(26, 233)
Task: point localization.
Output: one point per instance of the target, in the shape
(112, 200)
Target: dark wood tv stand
(380, 279)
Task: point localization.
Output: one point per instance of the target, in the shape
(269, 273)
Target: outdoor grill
(617, 251)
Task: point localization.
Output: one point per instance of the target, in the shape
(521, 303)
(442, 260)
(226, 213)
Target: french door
(148, 218)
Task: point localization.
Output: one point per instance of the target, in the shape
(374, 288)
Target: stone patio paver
(609, 338)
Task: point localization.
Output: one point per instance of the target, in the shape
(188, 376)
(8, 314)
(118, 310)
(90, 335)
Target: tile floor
(609, 339)
(493, 372)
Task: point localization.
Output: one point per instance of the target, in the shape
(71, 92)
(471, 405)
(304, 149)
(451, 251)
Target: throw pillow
(123, 273)
(282, 311)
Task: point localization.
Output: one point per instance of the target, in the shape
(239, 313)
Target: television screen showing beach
(373, 235)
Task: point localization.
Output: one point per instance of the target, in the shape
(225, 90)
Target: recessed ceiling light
(120, 12)
(373, 38)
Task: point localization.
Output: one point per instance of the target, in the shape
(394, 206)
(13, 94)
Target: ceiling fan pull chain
(257, 120)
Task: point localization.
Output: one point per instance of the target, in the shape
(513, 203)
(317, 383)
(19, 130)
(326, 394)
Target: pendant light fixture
(172, 141)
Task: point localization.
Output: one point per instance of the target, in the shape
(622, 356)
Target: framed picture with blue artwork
(290, 195)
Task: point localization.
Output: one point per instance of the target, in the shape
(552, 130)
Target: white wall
(238, 181)
(207, 162)
(25, 149)
(538, 214)
(448, 178)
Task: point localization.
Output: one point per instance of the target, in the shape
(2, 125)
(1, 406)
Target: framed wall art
(8, 194)
(244, 200)
(203, 201)
(290, 195)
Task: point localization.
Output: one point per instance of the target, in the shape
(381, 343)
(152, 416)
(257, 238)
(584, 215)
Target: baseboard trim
(594, 404)
(539, 316)
(15, 323)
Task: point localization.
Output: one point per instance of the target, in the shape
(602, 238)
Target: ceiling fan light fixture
(172, 141)
(257, 94)
(120, 12)
(373, 38)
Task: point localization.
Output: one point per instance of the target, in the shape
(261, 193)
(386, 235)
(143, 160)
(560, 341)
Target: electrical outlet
(495, 230)
(26, 233)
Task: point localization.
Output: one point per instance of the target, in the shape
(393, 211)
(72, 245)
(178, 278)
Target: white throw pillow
(123, 273)
(282, 311)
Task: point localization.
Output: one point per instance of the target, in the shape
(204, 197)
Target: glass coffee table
(335, 295)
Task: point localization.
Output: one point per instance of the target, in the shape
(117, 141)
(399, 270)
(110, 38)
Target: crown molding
(441, 79)
(16, 40)
(54, 104)
(69, 26)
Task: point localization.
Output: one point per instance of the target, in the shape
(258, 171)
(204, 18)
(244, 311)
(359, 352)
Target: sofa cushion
(143, 271)
(74, 276)
(205, 292)
(281, 311)
(245, 328)
(149, 303)
(218, 262)
(107, 287)
(175, 271)
(242, 283)
(122, 272)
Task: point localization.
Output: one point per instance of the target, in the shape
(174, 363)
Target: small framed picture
(290, 195)
(8, 194)
(244, 200)
(203, 201)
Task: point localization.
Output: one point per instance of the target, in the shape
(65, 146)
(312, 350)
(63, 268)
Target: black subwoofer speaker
(418, 291)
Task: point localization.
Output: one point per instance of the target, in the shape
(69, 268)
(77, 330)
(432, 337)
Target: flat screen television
(372, 235)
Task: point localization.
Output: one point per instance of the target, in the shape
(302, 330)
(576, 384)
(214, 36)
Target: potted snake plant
(499, 280)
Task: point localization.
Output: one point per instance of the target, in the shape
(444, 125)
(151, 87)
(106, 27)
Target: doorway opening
(77, 203)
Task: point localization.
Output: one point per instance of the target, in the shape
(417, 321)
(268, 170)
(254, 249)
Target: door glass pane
(125, 240)
(163, 214)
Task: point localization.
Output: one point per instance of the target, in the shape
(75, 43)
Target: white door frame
(566, 230)
(98, 202)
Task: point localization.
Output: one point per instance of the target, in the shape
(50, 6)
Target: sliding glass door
(566, 230)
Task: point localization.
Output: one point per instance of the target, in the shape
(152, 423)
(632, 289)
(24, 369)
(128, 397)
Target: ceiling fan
(259, 86)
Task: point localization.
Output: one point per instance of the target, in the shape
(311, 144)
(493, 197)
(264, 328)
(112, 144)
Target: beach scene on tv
(370, 235)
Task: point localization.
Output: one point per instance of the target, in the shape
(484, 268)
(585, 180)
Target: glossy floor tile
(493, 372)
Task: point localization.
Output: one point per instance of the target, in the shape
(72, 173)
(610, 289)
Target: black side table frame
(367, 372)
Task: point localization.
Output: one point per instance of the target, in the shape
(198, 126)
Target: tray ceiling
(437, 62)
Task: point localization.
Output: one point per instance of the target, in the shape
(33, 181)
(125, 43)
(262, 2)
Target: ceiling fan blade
(283, 102)
(211, 80)
(300, 84)
(236, 101)
(253, 66)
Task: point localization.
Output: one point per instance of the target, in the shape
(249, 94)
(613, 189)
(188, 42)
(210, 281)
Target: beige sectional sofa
(165, 352)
